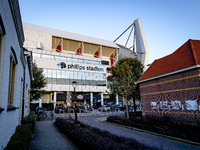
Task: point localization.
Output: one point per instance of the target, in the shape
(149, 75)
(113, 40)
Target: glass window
(49, 73)
(191, 105)
(58, 73)
(36, 55)
(53, 73)
(87, 61)
(75, 75)
(101, 77)
(67, 74)
(11, 81)
(60, 58)
(176, 105)
(75, 60)
(64, 75)
(153, 105)
(80, 60)
(47, 56)
(70, 59)
(45, 73)
(163, 105)
(87, 75)
(104, 76)
(71, 76)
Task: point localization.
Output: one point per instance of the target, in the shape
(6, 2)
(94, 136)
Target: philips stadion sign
(76, 66)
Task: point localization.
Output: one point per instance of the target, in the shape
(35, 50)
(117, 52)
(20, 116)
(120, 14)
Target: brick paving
(148, 139)
(48, 137)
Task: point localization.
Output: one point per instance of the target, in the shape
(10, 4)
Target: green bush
(30, 119)
(21, 139)
(23, 133)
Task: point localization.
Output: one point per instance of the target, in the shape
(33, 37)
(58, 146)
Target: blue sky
(167, 24)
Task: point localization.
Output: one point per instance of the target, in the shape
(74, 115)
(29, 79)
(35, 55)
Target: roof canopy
(69, 35)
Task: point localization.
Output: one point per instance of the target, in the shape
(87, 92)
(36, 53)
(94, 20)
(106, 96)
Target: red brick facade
(177, 86)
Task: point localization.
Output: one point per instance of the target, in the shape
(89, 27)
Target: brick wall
(178, 87)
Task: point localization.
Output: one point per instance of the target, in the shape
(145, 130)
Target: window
(153, 105)
(11, 81)
(176, 105)
(87, 61)
(163, 105)
(47, 56)
(103, 62)
(75, 60)
(80, 60)
(60, 58)
(191, 105)
(36, 55)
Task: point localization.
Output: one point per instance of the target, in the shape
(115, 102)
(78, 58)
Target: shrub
(161, 124)
(91, 138)
(30, 119)
(21, 139)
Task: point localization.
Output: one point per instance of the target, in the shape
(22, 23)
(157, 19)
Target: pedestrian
(85, 109)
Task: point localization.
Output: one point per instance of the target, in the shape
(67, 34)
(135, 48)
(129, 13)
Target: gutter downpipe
(24, 75)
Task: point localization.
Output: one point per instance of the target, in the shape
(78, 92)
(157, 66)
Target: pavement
(48, 137)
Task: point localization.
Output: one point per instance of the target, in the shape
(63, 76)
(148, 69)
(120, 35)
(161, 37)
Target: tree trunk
(127, 114)
(134, 106)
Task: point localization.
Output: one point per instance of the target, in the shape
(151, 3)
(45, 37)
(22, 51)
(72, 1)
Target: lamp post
(74, 86)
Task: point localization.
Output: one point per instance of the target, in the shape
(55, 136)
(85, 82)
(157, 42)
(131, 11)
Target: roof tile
(186, 56)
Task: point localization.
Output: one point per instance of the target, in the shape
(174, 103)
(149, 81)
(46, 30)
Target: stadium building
(66, 57)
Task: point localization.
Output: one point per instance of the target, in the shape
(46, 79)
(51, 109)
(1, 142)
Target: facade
(171, 85)
(66, 57)
(16, 71)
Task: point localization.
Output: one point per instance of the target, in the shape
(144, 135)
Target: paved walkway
(141, 137)
(48, 137)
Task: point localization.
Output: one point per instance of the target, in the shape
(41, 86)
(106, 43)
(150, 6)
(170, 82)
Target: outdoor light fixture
(74, 84)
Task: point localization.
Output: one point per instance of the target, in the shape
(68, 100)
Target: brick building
(171, 85)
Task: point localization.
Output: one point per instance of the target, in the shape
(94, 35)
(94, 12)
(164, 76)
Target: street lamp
(74, 83)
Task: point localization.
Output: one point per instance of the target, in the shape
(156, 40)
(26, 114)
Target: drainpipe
(23, 94)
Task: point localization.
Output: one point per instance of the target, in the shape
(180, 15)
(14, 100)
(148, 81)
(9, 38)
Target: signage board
(80, 96)
(68, 96)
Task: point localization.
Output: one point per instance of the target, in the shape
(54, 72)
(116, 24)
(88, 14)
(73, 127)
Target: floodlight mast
(123, 32)
(139, 46)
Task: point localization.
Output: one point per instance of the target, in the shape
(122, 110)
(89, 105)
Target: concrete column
(54, 101)
(40, 102)
(117, 99)
(91, 99)
(100, 56)
(82, 50)
(102, 102)
(50, 97)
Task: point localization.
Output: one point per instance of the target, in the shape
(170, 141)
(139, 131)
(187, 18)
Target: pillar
(40, 102)
(117, 99)
(91, 99)
(102, 102)
(54, 100)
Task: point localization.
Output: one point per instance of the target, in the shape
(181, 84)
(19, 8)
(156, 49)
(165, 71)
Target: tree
(126, 73)
(37, 83)
(113, 90)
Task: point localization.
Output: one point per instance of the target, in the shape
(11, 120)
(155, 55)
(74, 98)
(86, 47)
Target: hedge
(91, 138)
(162, 125)
(20, 140)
